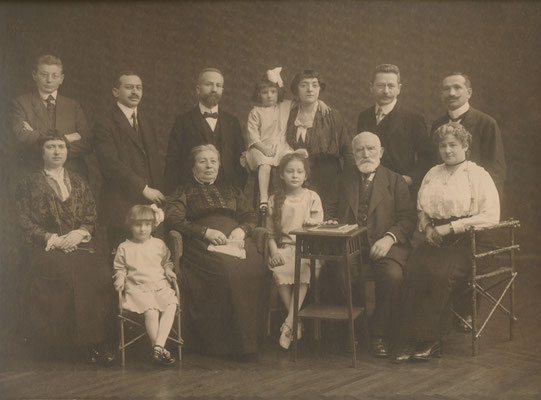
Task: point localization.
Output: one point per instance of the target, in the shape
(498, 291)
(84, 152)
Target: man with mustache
(205, 124)
(378, 198)
(486, 148)
(44, 110)
(127, 151)
(402, 132)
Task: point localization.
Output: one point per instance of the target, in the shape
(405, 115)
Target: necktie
(51, 114)
(210, 115)
(379, 116)
(134, 124)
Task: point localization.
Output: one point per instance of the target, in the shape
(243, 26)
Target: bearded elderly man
(378, 198)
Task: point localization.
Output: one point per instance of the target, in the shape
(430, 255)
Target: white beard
(367, 167)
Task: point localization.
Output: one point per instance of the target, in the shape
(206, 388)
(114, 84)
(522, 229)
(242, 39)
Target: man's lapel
(391, 122)
(126, 128)
(39, 108)
(379, 190)
(201, 126)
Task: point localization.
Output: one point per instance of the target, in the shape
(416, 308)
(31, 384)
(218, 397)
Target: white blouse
(468, 192)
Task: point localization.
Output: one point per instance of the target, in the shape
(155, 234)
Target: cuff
(85, 234)
(458, 227)
(391, 235)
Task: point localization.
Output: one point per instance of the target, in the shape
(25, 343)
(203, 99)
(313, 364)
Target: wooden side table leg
(296, 297)
(350, 310)
(315, 280)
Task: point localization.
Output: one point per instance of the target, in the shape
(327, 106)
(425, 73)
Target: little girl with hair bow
(266, 128)
(144, 272)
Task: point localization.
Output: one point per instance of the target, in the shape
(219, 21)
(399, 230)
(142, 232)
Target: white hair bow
(273, 75)
(158, 214)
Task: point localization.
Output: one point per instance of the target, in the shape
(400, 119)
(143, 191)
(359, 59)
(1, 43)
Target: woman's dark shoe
(379, 347)
(401, 357)
(432, 350)
(161, 356)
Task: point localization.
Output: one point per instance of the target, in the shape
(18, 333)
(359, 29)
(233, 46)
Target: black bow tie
(210, 115)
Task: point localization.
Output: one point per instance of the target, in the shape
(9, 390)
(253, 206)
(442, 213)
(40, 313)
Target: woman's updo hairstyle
(457, 130)
(201, 148)
(307, 74)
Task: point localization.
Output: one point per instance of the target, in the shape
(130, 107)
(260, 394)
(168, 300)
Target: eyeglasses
(45, 75)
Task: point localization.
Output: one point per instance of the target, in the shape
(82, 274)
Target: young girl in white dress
(144, 271)
(265, 133)
(290, 208)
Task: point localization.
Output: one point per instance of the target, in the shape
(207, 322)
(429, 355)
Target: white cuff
(391, 235)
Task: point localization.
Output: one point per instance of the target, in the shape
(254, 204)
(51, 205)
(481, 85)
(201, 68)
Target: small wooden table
(326, 245)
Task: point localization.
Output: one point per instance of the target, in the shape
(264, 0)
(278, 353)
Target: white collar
(203, 183)
(387, 108)
(127, 111)
(370, 175)
(44, 96)
(459, 111)
(204, 109)
(55, 175)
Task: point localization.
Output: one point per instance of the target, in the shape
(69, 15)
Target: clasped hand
(68, 243)
(433, 237)
(217, 237)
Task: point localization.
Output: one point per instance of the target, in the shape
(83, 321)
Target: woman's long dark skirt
(432, 274)
(224, 298)
(69, 299)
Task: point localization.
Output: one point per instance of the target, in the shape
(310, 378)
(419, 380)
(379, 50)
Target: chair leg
(122, 343)
(512, 317)
(179, 333)
(474, 319)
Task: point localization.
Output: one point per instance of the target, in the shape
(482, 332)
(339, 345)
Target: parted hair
(307, 74)
(201, 148)
(280, 194)
(386, 69)
(124, 72)
(467, 80)
(47, 59)
(49, 136)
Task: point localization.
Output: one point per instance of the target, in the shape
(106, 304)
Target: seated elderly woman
(453, 197)
(323, 136)
(69, 294)
(224, 296)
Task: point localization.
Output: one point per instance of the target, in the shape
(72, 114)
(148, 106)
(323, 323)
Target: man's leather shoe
(379, 348)
(432, 350)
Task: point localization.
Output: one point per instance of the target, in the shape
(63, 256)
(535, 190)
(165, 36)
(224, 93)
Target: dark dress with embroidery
(68, 299)
(224, 299)
(329, 150)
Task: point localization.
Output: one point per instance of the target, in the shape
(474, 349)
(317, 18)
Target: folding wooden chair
(133, 320)
(481, 283)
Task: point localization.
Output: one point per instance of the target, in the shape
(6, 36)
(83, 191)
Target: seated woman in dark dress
(453, 197)
(69, 293)
(224, 296)
(323, 135)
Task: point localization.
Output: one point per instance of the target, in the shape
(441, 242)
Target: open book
(338, 228)
(233, 248)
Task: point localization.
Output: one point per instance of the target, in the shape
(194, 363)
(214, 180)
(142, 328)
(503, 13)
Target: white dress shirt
(386, 108)
(211, 121)
(44, 96)
(459, 111)
(128, 112)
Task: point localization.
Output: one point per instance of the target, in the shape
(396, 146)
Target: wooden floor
(503, 370)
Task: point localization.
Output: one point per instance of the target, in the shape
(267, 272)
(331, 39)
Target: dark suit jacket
(69, 118)
(391, 208)
(486, 149)
(190, 130)
(126, 166)
(404, 136)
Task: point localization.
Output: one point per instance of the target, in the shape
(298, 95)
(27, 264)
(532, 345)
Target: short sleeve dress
(295, 210)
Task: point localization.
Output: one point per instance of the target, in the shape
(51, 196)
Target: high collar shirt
(211, 121)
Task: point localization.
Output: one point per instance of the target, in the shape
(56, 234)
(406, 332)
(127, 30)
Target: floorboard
(503, 370)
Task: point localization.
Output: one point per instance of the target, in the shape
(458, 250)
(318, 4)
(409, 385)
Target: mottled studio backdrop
(496, 43)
